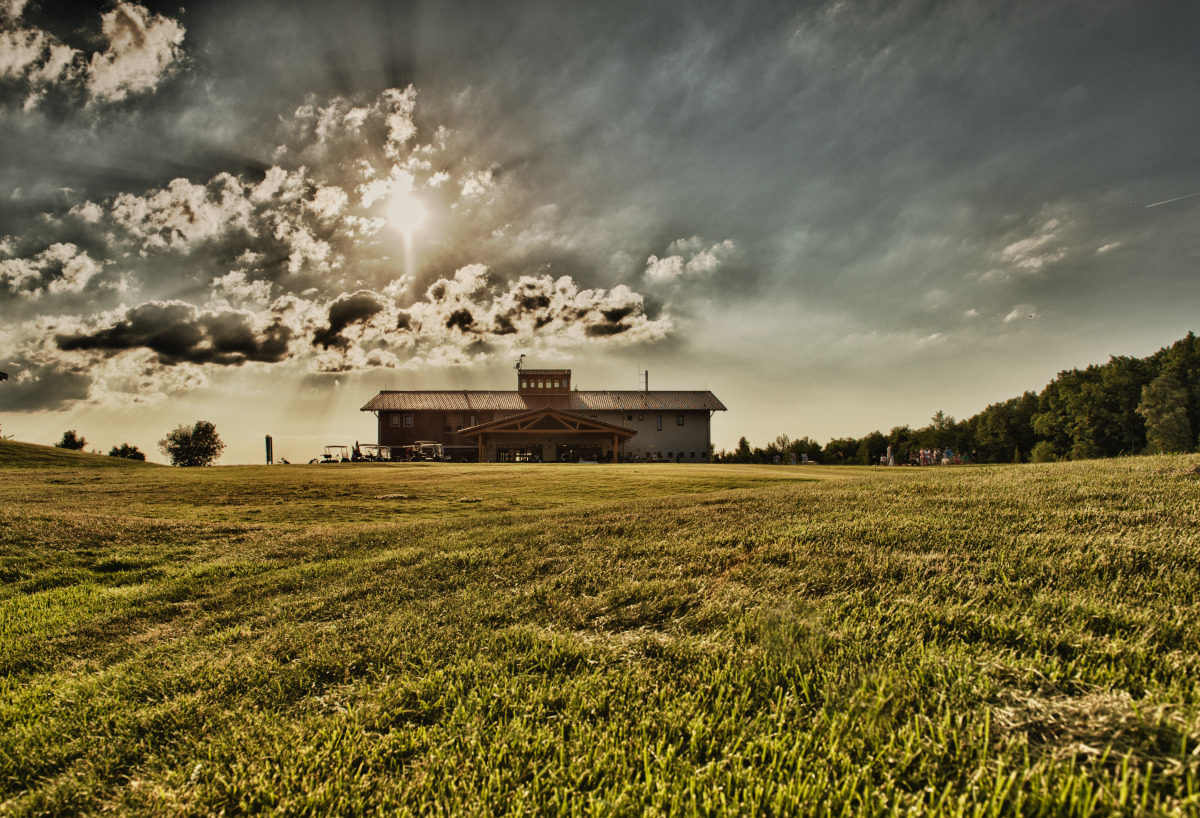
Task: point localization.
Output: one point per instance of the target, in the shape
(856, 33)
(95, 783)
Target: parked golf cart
(333, 454)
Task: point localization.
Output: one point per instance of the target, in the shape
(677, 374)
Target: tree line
(197, 445)
(1125, 406)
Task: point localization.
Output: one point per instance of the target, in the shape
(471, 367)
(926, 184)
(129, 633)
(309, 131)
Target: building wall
(439, 427)
(687, 443)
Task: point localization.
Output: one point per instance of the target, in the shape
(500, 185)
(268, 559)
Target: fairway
(567, 639)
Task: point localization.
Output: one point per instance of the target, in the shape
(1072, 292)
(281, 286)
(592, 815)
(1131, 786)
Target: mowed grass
(440, 639)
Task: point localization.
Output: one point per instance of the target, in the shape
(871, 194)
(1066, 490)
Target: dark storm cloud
(35, 388)
(462, 319)
(357, 308)
(178, 333)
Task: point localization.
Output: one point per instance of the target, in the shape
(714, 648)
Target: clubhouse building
(545, 420)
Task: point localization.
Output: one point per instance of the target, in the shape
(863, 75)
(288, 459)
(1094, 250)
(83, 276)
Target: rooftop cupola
(544, 381)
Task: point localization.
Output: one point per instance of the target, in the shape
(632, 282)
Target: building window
(692, 455)
(408, 420)
(641, 417)
(541, 384)
(629, 417)
(679, 420)
(660, 423)
(394, 420)
(556, 384)
(524, 384)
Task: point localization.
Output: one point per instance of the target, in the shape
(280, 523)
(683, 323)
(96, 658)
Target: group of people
(927, 457)
(935, 457)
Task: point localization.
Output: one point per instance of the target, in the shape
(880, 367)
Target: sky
(837, 216)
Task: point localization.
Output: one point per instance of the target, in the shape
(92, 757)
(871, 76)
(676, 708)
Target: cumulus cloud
(365, 329)
(235, 287)
(60, 268)
(141, 50)
(183, 213)
(291, 265)
(688, 258)
(464, 312)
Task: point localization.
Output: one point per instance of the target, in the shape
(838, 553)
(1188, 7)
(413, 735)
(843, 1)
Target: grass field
(598, 639)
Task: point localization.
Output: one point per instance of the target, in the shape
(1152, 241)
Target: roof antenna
(520, 362)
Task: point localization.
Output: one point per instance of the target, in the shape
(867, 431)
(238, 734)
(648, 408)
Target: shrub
(1043, 452)
(126, 451)
(71, 440)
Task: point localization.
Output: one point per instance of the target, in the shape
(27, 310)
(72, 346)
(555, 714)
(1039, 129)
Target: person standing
(891, 456)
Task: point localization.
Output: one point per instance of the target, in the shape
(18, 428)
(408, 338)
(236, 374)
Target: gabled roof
(465, 400)
(548, 420)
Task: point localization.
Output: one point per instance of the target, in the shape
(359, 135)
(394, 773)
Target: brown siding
(430, 426)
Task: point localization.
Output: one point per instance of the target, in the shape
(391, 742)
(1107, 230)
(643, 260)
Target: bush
(198, 446)
(126, 451)
(71, 440)
(1043, 452)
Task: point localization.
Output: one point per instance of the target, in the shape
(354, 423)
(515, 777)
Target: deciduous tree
(1164, 408)
(199, 445)
(72, 440)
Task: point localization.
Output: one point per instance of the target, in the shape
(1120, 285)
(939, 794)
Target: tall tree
(1164, 407)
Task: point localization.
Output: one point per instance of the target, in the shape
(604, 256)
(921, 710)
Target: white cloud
(143, 48)
(477, 183)
(690, 259)
(60, 268)
(400, 105)
(664, 269)
(236, 288)
(12, 8)
(21, 51)
(184, 213)
(328, 202)
(1032, 253)
(76, 271)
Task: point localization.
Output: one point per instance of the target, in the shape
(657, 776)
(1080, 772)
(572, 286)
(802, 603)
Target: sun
(406, 213)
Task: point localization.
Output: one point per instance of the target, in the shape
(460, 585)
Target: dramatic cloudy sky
(838, 216)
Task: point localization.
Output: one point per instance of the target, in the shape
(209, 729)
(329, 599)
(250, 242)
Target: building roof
(465, 400)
